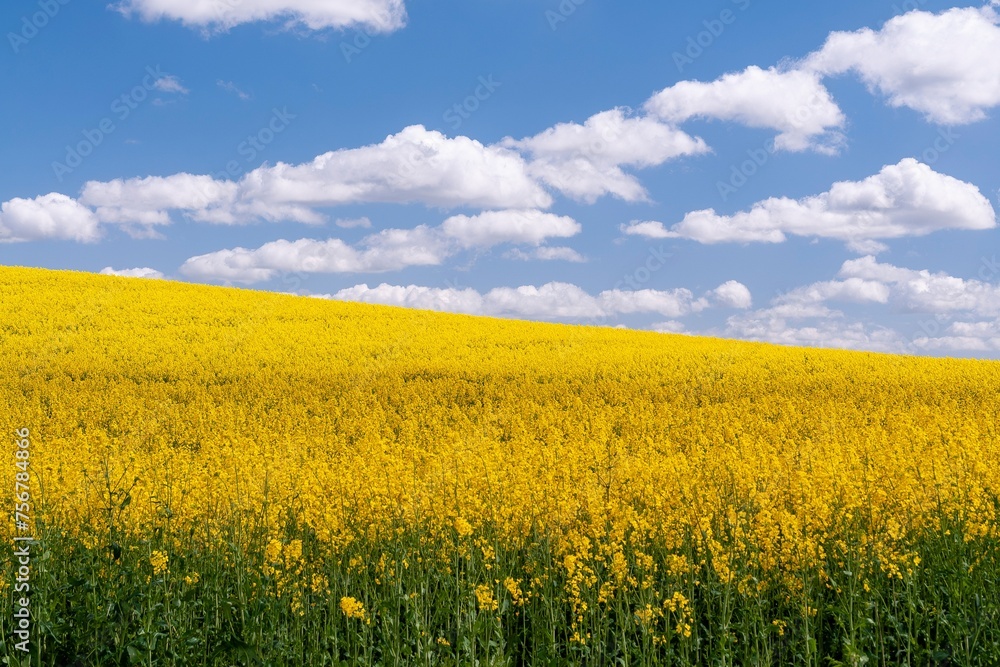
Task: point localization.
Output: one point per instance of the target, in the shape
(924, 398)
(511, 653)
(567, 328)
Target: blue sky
(820, 174)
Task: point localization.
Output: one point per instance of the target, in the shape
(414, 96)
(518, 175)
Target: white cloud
(170, 84)
(375, 15)
(239, 265)
(51, 216)
(546, 253)
(650, 229)
(513, 226)
(413, 166)
(554, 300)
(450, 299)
(144, 272)
(613, 138)
(865, 280)
(926, 292)
(387, 250)
(830, 330)
(963, 337)
(854, 289)
(905, 199)
(803, 317)
(584, 161)
(793, 102)
(670, 326)
(585, 181)
(352, 223)
(945, 66)
(866, 246)
(669, 303)
(147, 202)
(733, 294)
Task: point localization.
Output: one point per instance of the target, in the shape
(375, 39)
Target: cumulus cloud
(413, 166)
(854, 289)
(143, 272)
(944, 66)
(831, 330)
(554, 300)
(905, 199)
(793, 102)
(387, 250)
(451, 299)
(925, 292)
(585, 161)
(669, 303)
(650, 229)
(375, 15)
(802, 317)
(866, 280)
(494, 227)
(733, 294)
(956, 315)
(982, 336)
(147, 202)
(51, 216)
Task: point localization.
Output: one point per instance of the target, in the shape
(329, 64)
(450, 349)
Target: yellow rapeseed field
(584, 468)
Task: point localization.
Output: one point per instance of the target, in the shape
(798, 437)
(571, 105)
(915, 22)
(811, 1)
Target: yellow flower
(484, 596)
(646, 614)
(463, 527)
(272, 553)
(319, 584)
(352, 608)
(293, 552)
(158, 560)
(513, 587)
